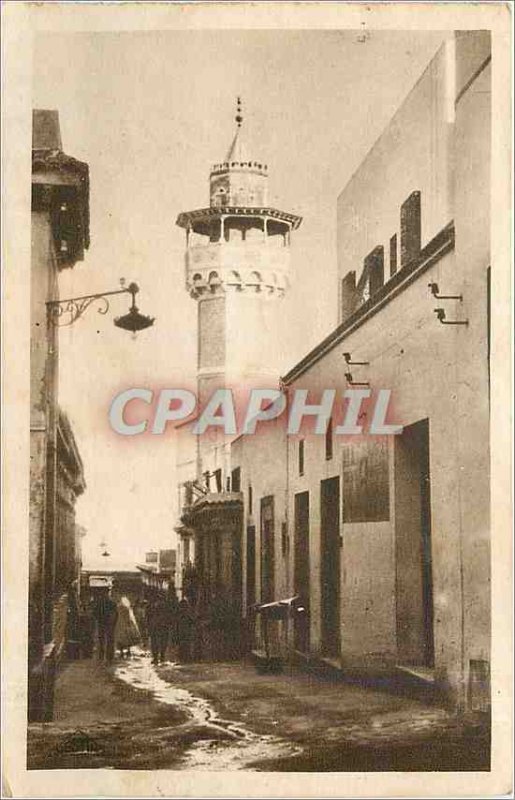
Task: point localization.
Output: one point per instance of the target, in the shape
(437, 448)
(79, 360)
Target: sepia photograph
(261, 306)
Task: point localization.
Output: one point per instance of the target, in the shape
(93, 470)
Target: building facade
(386, 539)
(60, 234)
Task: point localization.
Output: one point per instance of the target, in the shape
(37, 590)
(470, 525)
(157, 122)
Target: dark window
(301, 457)
(301, 569)
(330, 543)
(251, 565)
(236, 480)
(366, 493)
(329, 440)
(267, 549)
(250, 499)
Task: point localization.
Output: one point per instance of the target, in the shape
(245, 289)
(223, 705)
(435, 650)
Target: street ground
(219, 716)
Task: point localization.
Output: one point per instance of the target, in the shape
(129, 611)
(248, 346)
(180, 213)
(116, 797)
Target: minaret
(238, 269)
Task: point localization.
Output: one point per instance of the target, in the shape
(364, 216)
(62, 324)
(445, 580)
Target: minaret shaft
(237, 269)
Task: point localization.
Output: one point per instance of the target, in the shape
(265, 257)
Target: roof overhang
(187, 218)
(60, 184)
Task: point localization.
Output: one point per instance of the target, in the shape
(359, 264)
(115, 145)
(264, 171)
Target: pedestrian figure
(140, 612)
(185, 630)
(105, 613)
(214, 628)
(73, 623)
(190, 583)
(126, 631)
(173, 614)
(87, 629)
(158, 620)
(200, 631)
(221, 625)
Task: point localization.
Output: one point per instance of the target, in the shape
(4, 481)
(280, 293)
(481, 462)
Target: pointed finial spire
(239, 115)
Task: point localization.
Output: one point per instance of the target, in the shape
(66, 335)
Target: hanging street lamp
(67, 311)
(133, 321)
(105, 551)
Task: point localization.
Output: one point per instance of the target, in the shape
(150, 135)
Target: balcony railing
(222, 256)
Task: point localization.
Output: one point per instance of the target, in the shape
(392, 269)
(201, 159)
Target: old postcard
(257, 412)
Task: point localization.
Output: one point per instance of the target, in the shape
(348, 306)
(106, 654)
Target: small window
(250, 499)
(301, 457)
(329, 441)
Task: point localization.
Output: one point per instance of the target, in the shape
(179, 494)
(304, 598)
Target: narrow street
(226, 716)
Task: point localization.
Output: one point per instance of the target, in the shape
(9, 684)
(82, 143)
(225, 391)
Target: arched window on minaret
(222, 197)
(255, 280)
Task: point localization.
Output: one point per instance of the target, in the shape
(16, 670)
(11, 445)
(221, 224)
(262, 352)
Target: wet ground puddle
(240, 746)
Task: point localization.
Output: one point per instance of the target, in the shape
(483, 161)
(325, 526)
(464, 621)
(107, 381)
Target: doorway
(414, 582)
(330, 565)
(267, 549)
(301, 570)
(251, 565)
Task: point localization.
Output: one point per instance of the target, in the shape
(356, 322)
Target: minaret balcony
(238, 266)
(227, 256)
(238, 249)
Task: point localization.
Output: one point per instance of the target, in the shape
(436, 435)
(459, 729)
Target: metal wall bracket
(348, 376)
(435, 291)
(347, 357)
(440, 313)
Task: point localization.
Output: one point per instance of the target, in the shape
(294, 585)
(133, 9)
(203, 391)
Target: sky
(150, 112)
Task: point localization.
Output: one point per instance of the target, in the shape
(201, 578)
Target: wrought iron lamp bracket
(65, 312)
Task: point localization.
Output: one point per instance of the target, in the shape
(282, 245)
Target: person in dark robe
(173, 615)
(73, 623)
(105, 613)
(185, 630)
(87, 629)
(158, 625)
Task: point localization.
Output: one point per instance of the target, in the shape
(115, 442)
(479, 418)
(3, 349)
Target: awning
(278, 609)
